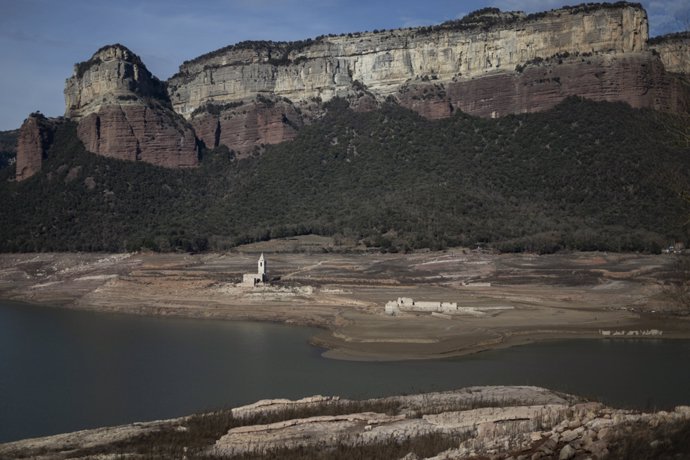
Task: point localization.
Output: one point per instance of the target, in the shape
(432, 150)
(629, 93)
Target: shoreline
(514, 299)
(514, 341)
(501, 421)
(336, 348)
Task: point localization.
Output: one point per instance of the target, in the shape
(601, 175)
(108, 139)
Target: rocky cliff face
(674, 51)
(35, 138)
(124, 112)
(457, 52)
(488, 64)
(638, 79)
(242, 126)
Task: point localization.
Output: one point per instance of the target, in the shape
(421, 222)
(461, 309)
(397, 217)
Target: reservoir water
(63, 370)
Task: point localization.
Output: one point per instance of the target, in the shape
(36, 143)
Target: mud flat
(486, 422)
(524, 297)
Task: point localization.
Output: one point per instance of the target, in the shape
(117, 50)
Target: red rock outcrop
(139, 133)
(245, 126)
(638, 79)
(124, 112)
(35, 137)
(428, 100)
(488, 64)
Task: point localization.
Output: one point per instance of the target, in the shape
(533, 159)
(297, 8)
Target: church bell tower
(262, 268)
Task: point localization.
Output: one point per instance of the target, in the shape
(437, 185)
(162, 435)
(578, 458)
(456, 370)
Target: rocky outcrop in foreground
(124, 112)
(495, 422)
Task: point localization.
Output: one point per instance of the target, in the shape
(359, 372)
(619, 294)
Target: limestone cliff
(674, 50)
(462, 51)
(489, 63)
(35, 138)
(124, 112)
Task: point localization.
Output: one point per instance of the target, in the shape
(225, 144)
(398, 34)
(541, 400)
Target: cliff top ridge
(485, 18)
(670, 37)
(106, 53)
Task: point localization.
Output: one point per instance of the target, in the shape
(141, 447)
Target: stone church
(259, 278)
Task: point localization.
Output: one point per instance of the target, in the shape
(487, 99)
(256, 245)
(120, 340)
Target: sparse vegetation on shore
(468, 423)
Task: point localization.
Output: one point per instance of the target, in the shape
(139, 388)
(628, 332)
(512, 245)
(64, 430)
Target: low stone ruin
(407, 304)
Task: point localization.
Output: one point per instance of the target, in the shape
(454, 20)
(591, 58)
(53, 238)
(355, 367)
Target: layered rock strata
(384, 61)
(242, 126)
(483, 422)
(35, 138)
(488, 64)
(638, 79)
(123, 111)
(674, 51)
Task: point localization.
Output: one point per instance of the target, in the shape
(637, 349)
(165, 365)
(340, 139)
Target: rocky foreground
(477, 422)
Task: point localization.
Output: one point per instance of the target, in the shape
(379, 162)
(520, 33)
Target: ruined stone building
(259, 278)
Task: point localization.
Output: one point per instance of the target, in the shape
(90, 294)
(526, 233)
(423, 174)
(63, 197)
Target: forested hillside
(8, 147)
(584, 175)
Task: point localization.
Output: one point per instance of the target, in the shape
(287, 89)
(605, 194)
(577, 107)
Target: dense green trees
(8, 147)
(585, 175)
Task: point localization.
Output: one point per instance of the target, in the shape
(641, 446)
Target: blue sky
(40, 40)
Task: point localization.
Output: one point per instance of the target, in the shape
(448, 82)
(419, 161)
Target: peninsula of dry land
(504, 299)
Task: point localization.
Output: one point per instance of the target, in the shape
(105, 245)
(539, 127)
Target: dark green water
(66, 370)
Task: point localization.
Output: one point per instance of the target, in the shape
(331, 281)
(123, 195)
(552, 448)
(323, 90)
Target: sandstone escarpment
(638, 79)
(241, 127)
(35, 138)
(139, 132)
(488, 64)
(385, 62)
(674, 50)
(124, 112)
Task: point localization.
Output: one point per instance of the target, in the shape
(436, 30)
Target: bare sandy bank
(512, 299)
